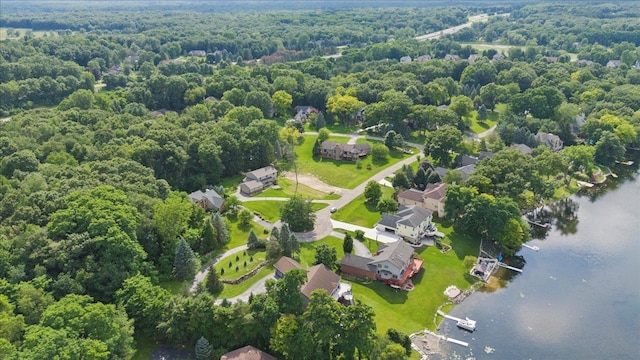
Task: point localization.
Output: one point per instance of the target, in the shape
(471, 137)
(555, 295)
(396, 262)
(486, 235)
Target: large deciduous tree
(373, 192)
(440, 143)
(297, 212)
(144, 303)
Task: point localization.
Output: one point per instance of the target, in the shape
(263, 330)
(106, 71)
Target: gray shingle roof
(320, 277)
(413, 215)
(435, 191)
(398, 253)
(262, 172)
(211, 195)
(411, 194)
(389, 220)
(358, 262)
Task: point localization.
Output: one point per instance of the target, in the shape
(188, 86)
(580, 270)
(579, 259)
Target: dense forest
(110, 118)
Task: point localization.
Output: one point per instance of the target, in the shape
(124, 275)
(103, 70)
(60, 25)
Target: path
(257, 288)
(205, 270)
(371, 233)
(483, 134)
(359, 248)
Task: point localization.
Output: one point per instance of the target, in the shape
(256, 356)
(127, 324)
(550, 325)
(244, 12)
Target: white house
(410, 222)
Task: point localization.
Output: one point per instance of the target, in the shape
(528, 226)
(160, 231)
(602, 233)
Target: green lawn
(343, 174)
(411, 311)
(240, 233)
(335, 128)
(308, 250)
(144, 348)
(235, 290)
(234, 265)
(288, 188)
(478, 126)
(231, 184)
(359, 212)
(270, 209)
(174, 286)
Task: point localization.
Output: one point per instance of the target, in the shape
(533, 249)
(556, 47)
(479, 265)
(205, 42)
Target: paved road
(453, 30)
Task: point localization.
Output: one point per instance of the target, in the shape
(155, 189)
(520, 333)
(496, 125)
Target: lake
(578, 297)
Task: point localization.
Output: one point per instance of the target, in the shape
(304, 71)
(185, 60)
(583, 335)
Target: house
(358, 116)
(522, 147)
(211, 98)
(132, 59)
(247, 353)
(410, 222)
(452, 57)
(341, 151)
(303, 112)
(550, 140)
(442, 107)
(583, 62)
(411, 197)
(201, 53)
(394, 264)
(405, 59)
(441, 171)
(466, 171)
(550, 59)
(320, 277)
(485, 154)
(464, 160)
(423, 58)
(259, 179)
(208, 200)
(612, 64)
(498, 56)
(284, 265)
(473, 57)
(434, 198)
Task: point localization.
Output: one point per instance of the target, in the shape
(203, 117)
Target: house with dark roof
(434, 198)
(303, 112)
(452, 57)
(284, 265)
(464, 160)
(247, 353)
(550, 140)
(342, 151)
(410, 222)
(394, 264)
(612, 64)
(423, 58)
(466, 170)
(259, 179)
(201, 53)
(320, 277)
(208, 200)
(523, 148)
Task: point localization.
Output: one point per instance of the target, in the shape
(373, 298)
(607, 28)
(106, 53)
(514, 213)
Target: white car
(333, 209)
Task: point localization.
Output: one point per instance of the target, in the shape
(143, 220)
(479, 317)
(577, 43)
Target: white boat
(467, 324)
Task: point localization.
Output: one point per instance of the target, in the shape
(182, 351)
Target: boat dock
(534, 248)
(466, 324)
(509, 267)
(545, 225)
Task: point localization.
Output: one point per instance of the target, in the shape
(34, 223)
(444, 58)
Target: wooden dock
(534, 248)
(509, 267)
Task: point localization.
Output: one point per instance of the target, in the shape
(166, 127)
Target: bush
(469, 261)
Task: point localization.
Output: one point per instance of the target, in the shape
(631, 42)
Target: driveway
(257, 288)
(373, 234)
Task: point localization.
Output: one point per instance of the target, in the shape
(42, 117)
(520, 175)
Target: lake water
(578, 297)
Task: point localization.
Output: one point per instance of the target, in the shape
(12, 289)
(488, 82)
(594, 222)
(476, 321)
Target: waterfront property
(394, 264)
(410, 222)
(432, 198)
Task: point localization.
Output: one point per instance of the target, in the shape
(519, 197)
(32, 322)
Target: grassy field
(478, 126)
(288, 188)
(240, 233)
(308, 250)
(23, 32)
(343, 174)
(270, 210)
(235, 290)
(359, 212)
(239, 264)
(411, 311)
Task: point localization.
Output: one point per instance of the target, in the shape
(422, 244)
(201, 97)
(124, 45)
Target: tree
(245, 216)
(222, 232)
(609, 149)
(461, 105)
(347, 244)
(297, 212)
(441, 142)
(320, 121)
(482, 113)
(261, 100)
(579, 157)
(185, 264)
(393, 351)
(549, 163)
(400, 180)
(388, 206)
(401, 338)
(286, 291)
(282, 102)
(373, 192)
(144, 303)
(344, 106)
(253, 242)
(208, 241)
(379, 152)
(213, 283)
(204, 350)
(420, 179)
(457, 198)
(326, 255)
(231, 205)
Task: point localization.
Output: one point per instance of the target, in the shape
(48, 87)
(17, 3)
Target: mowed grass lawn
(344, 174)
(270, 209)
(239, 264)
(411, 311)
(359, 212)
(240, 233)
(234, 290)
(480, 126)
(288, 188)
(308, 250)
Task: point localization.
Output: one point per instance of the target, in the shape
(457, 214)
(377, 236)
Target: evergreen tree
(208, 241)
(420, 180)
(277, 149)
(253, 242)
(204, 350)
(184, 263)
(347, 245)
(317, 146)
(213, 283)
(482, 113)
(320, 121)
(275, 234)
(222, 233)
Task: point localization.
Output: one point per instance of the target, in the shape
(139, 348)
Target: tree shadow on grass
(389, 294)
(463, 245)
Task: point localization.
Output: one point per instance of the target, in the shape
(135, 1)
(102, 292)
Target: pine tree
(317, 147)
(277, 149)
(209, 238)
(320, 121)
(283, 238)
(213, 283)
(222, 233)
(482, 112)
(347, 245)
(204, 350)
(275, 234)
(420, 179)
(184, 263)
(252, 241)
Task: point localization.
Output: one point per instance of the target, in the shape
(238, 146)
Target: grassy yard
(23, 32)
(288, 188)
(174, 286)
(240, 233)
(308, 250)
(235, 290)
(239, 264)
(231, 184)
(478, 126)
(399, 309)
(270, 210)
(359, 212)
(343, 174)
